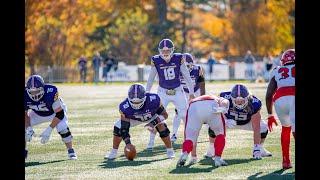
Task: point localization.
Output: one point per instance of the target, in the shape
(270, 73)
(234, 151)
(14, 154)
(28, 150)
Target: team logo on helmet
(35, 87)
(166, 49)
(137, 95)
(240, 96)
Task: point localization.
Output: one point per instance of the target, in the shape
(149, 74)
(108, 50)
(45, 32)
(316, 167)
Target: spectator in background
(249, 60)
(82, 63)
(108, 62)
(96, 61)
(211, 62)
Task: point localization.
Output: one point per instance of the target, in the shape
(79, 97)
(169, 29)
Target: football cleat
(218, 161)
(112, 154)
(71, 154)
(182, 160)
(265, 153)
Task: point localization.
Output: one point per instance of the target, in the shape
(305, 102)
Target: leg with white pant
(283, 106)
(62, 128)
(193, 125)
(292, 115)
(181, 104)
(217, 124)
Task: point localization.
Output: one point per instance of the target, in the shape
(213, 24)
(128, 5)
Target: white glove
(29, 133)
(45, 135)
(257, 151)
(230, 123)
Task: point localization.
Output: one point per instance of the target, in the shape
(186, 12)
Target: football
(130, 152)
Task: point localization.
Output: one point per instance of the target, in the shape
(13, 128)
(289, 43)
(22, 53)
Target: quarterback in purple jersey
(42, 104)
(138, 108)
(244, 113)
(168, 66)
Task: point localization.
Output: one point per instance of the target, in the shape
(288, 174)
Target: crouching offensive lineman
(244, 113)
(43, 104)
(205, 110)
(140, 107)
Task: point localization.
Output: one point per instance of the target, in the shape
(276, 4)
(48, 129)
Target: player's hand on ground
(45, 135)
(29, 133)
(271, 121)
(257, 152)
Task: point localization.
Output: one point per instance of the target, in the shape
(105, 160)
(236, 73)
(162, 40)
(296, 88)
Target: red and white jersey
(285, 78)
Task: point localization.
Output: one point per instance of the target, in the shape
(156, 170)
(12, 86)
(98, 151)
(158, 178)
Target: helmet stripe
(135, 91)
(164, 43)
(32, 82)
(238, 90)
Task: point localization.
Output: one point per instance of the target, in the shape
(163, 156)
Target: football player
(205, 110)
(43, 104)
(168, 66)
(140, 107)
(281, 92)
(244, 113)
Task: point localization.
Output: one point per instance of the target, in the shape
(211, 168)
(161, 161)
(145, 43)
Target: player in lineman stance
(205, 110)
(281, 92)
(244, 113)
(140, 107)
(168, 65)
(42, 104)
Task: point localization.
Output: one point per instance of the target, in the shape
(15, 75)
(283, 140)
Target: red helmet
(288, 56)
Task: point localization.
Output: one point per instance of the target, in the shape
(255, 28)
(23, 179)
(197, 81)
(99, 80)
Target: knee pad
(187, 146)
(116, 131)
(164, 133)
(211, 133)
(66, 135)
(264, 134)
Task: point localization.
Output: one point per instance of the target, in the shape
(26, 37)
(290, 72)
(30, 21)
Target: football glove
(45, 135)
(29, 133)
(271, 120)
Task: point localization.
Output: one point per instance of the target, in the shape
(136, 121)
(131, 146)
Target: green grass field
(92, 110)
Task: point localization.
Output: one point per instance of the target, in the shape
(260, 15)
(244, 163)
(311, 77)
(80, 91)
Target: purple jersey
(43, 107)
(149, 109)
(195, 74)
(242, 116)
(168, 72)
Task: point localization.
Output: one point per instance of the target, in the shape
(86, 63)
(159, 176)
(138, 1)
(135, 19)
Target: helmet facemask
(137, 103)
(240, 102)
(35, 93)
(166, 53)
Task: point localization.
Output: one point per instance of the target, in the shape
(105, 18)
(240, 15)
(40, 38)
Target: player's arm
(59, 115)
(28, 129)
(201, 82)
(255, 119)
(152, 75)
(161, 115)
(125, 126)
(59, 112)
(185, 73)
(272, 87)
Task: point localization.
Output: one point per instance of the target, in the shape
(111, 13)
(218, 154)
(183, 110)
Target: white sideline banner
(240, 69)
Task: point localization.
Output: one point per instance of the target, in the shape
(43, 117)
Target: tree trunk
(184, 30)
(162, 10)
